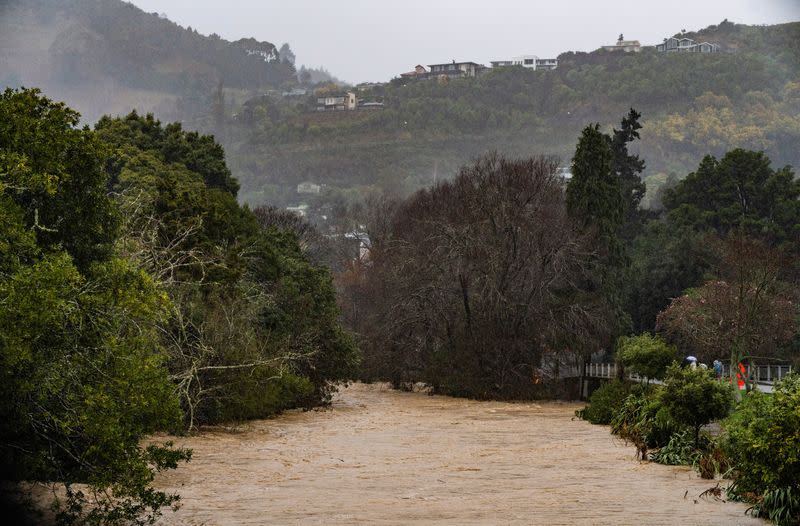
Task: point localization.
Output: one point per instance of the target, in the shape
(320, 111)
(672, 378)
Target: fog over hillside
(111, 57)
(375, 40)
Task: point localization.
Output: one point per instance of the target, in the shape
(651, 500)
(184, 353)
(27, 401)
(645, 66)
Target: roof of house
(455, 64)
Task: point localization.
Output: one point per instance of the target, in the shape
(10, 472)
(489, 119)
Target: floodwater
(379, 456)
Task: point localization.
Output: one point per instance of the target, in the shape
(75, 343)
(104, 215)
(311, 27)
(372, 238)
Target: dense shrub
(642, 421)
(693, 398)
(605, 402)
(763, 442)
(679, 451)
(645, 355)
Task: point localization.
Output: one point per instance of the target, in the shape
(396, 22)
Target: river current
(379, 456)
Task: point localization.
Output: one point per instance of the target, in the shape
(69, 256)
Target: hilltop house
(456, 69)
(295, 92)
(308, 188)
(546, 63)
(338, 103)
(528, 61)
(369, 86)
(419, 73)
(686, 45)
(266, 56)
(628, 46)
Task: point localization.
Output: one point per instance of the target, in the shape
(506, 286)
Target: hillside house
(456, 69)
(528, 61)
(370, 105)
(546, 63)
(300, 209)
(309, 188)
(686, 45)
(419, 73)
(369, 86)
(626, 46)
(266, 56)
(295, 92)
(348, 101)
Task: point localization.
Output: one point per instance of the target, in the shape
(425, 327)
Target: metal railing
(762, 374)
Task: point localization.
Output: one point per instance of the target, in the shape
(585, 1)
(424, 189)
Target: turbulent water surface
(379, 456)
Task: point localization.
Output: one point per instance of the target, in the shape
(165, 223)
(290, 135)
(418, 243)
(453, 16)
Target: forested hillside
(747, 96)
(110, 56)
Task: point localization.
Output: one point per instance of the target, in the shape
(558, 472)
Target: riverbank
(379, 456)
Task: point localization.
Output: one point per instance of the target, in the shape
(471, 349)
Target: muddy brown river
(379, 456)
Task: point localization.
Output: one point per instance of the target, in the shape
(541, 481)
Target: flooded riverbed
(379, 456)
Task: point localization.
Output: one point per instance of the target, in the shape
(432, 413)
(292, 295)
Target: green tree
(594, 195)
(646, 355)
(739, 191)
(694, 398)
(594, 200)
(78, 326)
(665, 261)
(54, 172)
(255, 327)
(628, 169)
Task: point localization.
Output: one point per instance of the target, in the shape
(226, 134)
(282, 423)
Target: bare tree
(470, 282)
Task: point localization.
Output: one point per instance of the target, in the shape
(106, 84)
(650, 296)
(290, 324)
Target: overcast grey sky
(361, 40)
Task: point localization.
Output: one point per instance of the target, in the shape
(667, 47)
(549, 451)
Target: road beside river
(379, 456)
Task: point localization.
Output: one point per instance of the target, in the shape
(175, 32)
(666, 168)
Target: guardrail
(761, 374)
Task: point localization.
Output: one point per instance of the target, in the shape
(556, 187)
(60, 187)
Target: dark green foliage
(693, 397)
(628, 170)
(594, 195)
(679, 451)
(595, 201)
(54, 172)
(665, 261)
(645, 355)
(260, 393)
(605, 402)
(78, 337)
(199, 154)
(255, 329)
(740, 190)
(763, 441)
(643, 421)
